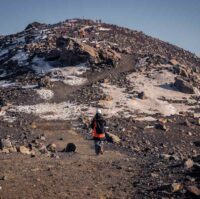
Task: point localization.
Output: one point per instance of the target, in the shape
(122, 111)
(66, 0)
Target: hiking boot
(101, 150)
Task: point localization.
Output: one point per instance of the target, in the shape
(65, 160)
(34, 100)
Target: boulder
(194, 190)
(73, 52)
(112, 138)
(43, 149)
(45, 82)
(53, 55)
(71, 147)
(5, 143)
(24, 150)
(51, 147)
(184, 86)
(188, 164)
(176, 187)
(161, 127)
(142, 95)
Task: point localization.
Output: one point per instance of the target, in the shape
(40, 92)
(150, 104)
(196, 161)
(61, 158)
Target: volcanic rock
(24, 150)
(188, 164)
(193, 190)
(71, 147)
(5, 143)
(176, 187)
(51, 147)
(112, 138)
(184, 86)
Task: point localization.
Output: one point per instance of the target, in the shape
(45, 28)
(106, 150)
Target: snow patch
(21, 57)
(45, 94)
(6, 84)
(53, 111)
(40, 66)
(3, 52)
(69, 75)
(104, 29)
(21, 40)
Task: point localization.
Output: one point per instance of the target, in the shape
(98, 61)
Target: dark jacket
(98, 125)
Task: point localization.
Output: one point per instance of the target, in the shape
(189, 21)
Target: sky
(174, 21)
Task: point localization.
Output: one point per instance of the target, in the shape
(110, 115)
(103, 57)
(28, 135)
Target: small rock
(194, 190)
(176, 187)
(112, 138)
(161, 127)
(188, 164)
(187, 123)
(51, 147)
(24, 150)
(5, 151)
(43, 138)
(5, 143)
(3, 177)
(189, 133)
(12, 149)
(33, 125)
(154, 175)
(198, 121)
(165, 156)
(43, 149)
(71, 147)
(142, 95)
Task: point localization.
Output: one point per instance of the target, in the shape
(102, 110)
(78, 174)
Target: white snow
(6, 117)
(3, 52)
(40, 66)
(21, 57)
(75, 81)
(6, 84)
(45, 94)
(104, 29)
(53, 111)
(21, 40)
(69, 75)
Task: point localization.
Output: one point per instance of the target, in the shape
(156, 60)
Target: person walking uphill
(98, 125)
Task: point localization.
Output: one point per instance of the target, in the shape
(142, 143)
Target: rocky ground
(52, 79)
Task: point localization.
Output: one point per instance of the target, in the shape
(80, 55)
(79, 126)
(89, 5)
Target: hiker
(98, 125)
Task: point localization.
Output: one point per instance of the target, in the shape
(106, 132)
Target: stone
(45, 82)
(107, 97)
(184, 86)
(165, 156)
(24, 150)
(142, 95)
(12, 149)
(193, 190)
(112, 138)
(189, 133)
(161, 127)
(176, 187)
(188, 164)
(198, 121)
(3, 177)
(51, 147)
(42, 149)
(187, 123)
(5, 143)
(71, 147)
(33, 125)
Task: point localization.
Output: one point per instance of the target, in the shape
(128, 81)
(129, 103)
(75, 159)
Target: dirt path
(79, 175)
